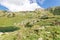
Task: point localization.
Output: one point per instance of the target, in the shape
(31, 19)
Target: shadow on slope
(9, 29)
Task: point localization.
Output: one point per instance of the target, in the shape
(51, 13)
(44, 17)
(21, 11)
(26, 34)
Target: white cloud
(19, 5)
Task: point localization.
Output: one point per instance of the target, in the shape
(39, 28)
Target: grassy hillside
(36, 25)
(54, 10)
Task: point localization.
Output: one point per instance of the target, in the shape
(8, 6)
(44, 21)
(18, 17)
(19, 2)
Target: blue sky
(3, 8)
(49, 3)
(45, 4)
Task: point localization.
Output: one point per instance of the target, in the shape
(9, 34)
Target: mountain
(41, 24)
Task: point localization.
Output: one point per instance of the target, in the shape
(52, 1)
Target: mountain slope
(54, 10)
(29, 25)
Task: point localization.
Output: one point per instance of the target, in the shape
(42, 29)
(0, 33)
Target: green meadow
(30, 25)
